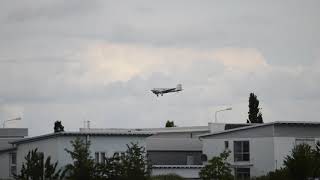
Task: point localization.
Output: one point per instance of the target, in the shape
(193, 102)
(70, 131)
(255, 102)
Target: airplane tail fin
(179, 87)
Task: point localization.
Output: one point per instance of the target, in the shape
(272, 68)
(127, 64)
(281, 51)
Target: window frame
(226, 144)
(242, 156)
(12, 165)
(244, 175)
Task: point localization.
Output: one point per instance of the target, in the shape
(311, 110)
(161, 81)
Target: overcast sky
(80, 60)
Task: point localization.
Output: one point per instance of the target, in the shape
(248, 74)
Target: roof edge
(261, 125)
(59, 134)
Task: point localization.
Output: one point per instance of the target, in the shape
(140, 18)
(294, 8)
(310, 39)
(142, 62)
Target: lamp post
(14, 119)
(215, 114)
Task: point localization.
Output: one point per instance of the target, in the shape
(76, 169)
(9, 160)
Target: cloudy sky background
(97, 60)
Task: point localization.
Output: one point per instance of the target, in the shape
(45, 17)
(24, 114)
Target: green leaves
(58, 127)
(130, 165)
(35, 168)
(217, 168)
(83, 166)
(254, 114)
(170, 124)
(303, 163)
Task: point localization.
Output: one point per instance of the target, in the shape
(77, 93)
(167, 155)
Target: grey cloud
(39, 39)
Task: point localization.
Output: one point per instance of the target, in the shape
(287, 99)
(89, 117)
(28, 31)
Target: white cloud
(105, 62)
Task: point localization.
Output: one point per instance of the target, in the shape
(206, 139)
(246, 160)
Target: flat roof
(13, 132)
(299, 123)
(155, 130)
(59, 134)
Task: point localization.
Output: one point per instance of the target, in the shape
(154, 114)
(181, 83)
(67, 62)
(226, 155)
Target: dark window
(241, 151)
(13, 164)
(103, 157)
(96, 157)
(242, 173)
(226, 144)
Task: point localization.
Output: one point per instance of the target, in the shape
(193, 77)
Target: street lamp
(14, 119)
(215, 114)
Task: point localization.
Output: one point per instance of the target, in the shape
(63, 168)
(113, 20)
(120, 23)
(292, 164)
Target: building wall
(261, 153)
(179, 134)
(263, 131)
(174, 157)
(55, 147)
(282, 147)
(4, 165)
(47, 146)
(11, 134)
(187, 173)
(297, 131)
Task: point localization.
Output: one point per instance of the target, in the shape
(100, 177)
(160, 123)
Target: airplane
(162, 91)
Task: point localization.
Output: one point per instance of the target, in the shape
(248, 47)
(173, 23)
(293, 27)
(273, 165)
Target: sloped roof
(296, 123)
(53, 135)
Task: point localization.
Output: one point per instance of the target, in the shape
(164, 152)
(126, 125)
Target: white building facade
(259, 149)
(55, 145)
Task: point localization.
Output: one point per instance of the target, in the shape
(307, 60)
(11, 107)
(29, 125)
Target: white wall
(55, 147)
(188, 173)
(261, 153)
(48, 147)
(4, 165)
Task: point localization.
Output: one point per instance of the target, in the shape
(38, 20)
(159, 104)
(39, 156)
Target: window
(190, 160)
(96, 157)
(241, 151)
(226, 144)
(99, 157)
(242, 173)
(13, 163)
(103, 156)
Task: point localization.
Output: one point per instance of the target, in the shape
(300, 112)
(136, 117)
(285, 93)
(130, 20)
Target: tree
(135, 163)
(170, 124)
(254, 114)
(303, 163)
(218, 168)
(300, 164)
(132, 164)
(36, 169)
(58, 127)
(83, 166)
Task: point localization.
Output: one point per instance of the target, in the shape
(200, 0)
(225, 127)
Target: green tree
(218, 168)
(35, 168)
(83, 166)
(58, 127)
(300, 164)
(316, 159)
(254, 114)
(135, 163)
(170, 124)
(132, 164)
(280, 174)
